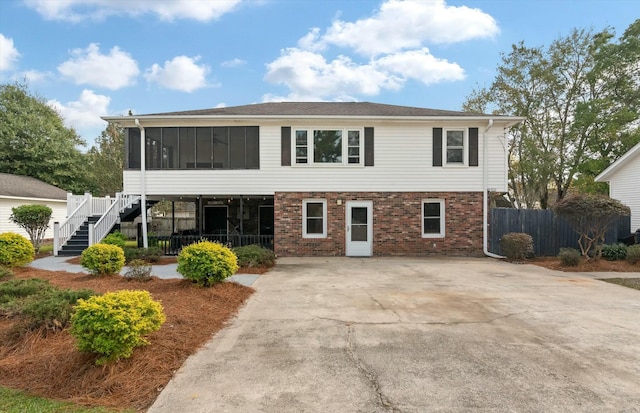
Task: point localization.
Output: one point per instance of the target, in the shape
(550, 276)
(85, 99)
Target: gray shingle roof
(28, 187)
(317, 109)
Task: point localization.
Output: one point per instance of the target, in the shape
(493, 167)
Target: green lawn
(12, 401)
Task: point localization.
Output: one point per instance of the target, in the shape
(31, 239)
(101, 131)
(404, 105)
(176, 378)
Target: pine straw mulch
(601, 265)
(48, 365)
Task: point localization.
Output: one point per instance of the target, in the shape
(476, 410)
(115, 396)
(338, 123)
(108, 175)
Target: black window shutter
(368, 146)
(437, 146)
(285, 146)
(473, 146)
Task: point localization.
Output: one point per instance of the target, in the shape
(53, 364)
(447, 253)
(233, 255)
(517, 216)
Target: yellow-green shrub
(15, 250)
(103, 259)
(113, 324)
(207, 263)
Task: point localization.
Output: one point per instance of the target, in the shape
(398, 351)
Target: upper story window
(233, 147)
(328, 146)
(454, 147)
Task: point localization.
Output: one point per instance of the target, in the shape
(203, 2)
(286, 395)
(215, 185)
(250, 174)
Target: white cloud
(35, 76)
(85, 112)
(180, 73)
(311, 77)
(400, 25)
(79, 10)
(420, 65)
(221, 105)
(8, 53)
(111, 71)
(233, 63)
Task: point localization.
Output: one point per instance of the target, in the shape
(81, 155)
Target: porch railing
(171, 245)
(110, 216)
(62, 232)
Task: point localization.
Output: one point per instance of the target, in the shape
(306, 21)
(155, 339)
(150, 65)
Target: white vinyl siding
(403, 153)
(58, 207)
(624, 187)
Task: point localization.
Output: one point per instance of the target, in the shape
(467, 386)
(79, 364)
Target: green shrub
(151, 254)
(115, 238)
(254, 256)
(34, 219)
(614, 252)
(207, 263)
(15, 250)
(633, 254)
(39, 303)
(113, 324)
(5, 272)
(516, 245)
(102, 259)
(139, 270)
(52, 308)
(569, 257)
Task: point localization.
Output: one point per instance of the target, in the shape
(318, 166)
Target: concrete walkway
(165, 271)
(419, 335)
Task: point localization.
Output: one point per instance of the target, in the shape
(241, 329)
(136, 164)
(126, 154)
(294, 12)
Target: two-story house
(327, 179)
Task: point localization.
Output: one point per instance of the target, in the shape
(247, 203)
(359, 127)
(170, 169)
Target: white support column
(91, 241)
(143, 189)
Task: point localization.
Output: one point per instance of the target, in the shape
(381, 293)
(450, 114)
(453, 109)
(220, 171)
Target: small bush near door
(15, 250)
(254, 256)
(633, 254)
(103, 259)
(207, 263)
(516, 246)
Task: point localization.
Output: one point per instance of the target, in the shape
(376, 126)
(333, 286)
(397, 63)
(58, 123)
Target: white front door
(359, 229)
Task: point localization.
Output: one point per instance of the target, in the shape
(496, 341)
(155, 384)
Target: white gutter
(485, 194)
(143, 195)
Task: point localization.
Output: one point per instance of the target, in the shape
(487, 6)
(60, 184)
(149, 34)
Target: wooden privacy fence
(549, 231)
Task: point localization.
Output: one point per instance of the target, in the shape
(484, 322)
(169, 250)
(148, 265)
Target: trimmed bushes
(102, 259)
(569, 257)
(633, 254)
(614, 252)
(139, 270)
(516, 246)
(113, 324)
(15, 250)
(254, 256)
(115, 238)
(207, 263)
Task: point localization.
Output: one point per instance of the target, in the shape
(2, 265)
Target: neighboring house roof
(625, 159)
(316, 110)
(19, 186)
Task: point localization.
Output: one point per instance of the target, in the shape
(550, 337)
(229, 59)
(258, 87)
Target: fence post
(56, 235)
(90, 234)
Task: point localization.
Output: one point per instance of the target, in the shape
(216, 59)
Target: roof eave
(605, 175)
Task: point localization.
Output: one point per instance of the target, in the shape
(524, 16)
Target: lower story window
(433, 218)
(314, 218)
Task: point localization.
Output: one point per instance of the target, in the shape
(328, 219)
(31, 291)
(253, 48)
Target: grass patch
(131, 243)
(625, 282)
(13, 401)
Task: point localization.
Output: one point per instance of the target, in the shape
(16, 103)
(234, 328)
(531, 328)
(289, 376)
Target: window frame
(311, 146)
(465, 147)
(442, 232)
(305, 202)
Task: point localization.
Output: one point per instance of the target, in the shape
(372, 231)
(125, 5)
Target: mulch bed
(600, 265)
(48, 365)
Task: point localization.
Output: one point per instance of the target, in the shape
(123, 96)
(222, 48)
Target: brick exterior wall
(397, 224)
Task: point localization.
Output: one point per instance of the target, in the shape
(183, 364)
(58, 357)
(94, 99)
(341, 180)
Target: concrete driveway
(419, 335)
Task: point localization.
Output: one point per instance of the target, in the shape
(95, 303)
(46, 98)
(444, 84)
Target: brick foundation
(397, 224)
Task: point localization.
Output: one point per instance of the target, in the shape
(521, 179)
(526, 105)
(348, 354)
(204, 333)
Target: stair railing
(62, 232)
(109, 217)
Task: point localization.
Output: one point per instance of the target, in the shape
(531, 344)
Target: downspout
(143, 184)
(485, 194)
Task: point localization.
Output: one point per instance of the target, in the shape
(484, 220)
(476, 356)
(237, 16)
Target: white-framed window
(455, 147)
(433, 218)
(328, 146)
(314, 218)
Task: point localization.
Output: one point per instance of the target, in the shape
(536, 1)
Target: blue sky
(105, 57)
